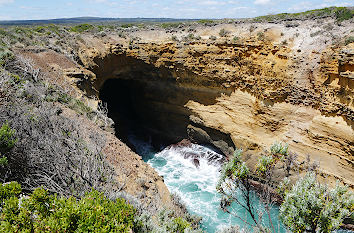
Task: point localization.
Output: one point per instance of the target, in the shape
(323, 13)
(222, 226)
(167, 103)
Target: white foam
(196, 185)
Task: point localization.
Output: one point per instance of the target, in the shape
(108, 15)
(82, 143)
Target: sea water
(196, 184)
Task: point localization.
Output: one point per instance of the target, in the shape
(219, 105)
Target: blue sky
(48, 9)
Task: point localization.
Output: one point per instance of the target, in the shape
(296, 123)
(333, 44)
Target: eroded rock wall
(246, 93)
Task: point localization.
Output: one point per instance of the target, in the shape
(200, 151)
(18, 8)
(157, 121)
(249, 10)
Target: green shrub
(16, 80)
(230, 167)
(264, 163)
(236, 38)
(283, 187)
(179, 225)
(349, 40)
(127, 25)
(189, 37)
(167, 221)
(39, 29)
(42, 212)
(5, 55)
(3, 32)
(9, 190)
(48, 29)
(316, 33)
(312, 207)
(174, 38)
(204, 21)
(340, 13)
(223, 33)
(79, 107)
(3, 161)
(170, 25)
(343, 13)
(81, 28)
(64, 98)
(279, 149)
(260, 35)
(7, 138)
(72, 103)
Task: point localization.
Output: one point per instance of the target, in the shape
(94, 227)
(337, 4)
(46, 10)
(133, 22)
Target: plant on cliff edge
(349, 40)
(235, 185)
(307, 207)
(312, 207)
(7, 142)
(42, 212)
(223, 33)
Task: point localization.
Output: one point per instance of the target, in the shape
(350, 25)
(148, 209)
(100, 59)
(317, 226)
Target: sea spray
(195, 182)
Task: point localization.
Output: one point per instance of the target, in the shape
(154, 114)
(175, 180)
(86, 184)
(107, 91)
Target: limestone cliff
(273, 84)
(262, 82)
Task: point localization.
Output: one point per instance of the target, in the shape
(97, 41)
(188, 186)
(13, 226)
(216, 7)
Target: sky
(49, 9)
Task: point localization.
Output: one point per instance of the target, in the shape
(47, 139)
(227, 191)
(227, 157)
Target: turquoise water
(197, 185)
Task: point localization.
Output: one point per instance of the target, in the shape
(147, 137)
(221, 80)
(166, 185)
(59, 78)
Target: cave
(133, 106)
(148, 102)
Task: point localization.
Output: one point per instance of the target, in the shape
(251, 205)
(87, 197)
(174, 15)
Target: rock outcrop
(272, 83)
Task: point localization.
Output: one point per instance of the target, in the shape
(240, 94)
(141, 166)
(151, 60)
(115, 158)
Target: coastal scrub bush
(236, 38)
(189, 37)
(278, 152)
(230, 229)
(168, 220)
(260, 35)
(349, 40)
(174, 38)
(169, 223)
(81, 28)
(264, 164)
(312, 207)
(7, 142)
(3, 161)
(235, 186)
(223, 33)
(279, 149)
(65, 163)
(170, 25)
(307, 206)
(5, 55)
(343, 13)
(127, 25)
(339, 13)
(43, 212)
(205, 21)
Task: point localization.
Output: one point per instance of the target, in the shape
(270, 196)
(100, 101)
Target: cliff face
(246, 93)
(274, 82)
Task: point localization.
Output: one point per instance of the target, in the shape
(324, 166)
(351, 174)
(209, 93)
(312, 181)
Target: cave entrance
(153, 111)
(150, 103)
(119, 96)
